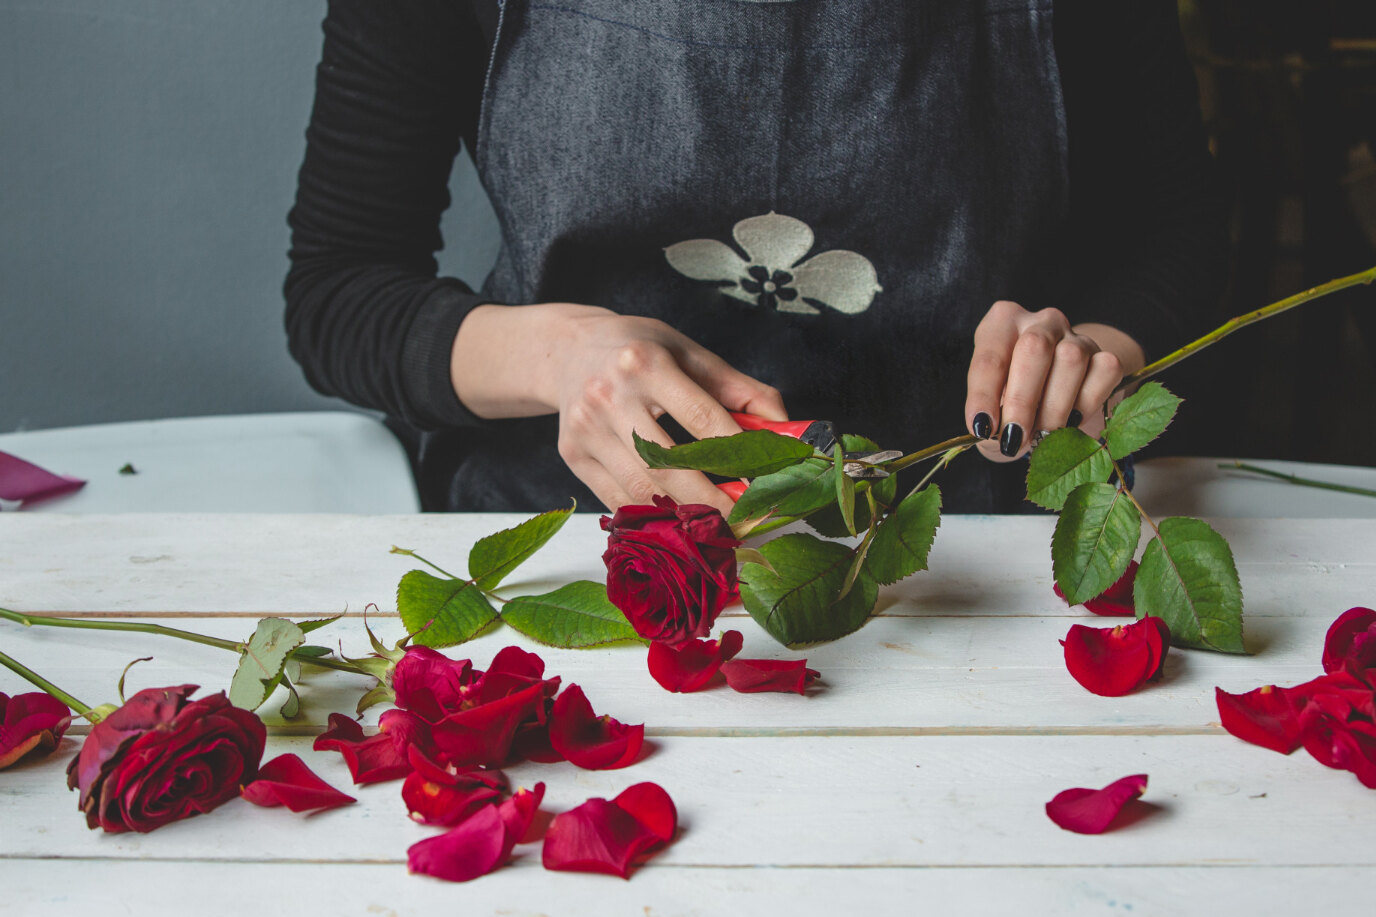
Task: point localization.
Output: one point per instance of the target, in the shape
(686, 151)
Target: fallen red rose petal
(1338, 742)
(1351, 640)
(30, 724)
(371, 759)
(1112, 661)
(1264, 716)
(752, 676)
(1116, 600)
(1086, 811)
(512, 670)
(692, 664)
(26, 482)
(287, 781)
(604, 837)
(444, 796)
(483, 735)
(1352, 691)
(532, 744)
(473, 849)
(429, 683)
(518, 814)
(590, 741)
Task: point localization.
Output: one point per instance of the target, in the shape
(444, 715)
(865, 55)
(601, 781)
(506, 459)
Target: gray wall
(148, 156)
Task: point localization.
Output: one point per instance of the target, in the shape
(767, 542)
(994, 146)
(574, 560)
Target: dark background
(148, 152)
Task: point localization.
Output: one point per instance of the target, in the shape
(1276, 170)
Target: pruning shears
(822, 436)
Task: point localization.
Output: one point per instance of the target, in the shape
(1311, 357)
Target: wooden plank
(160, 889)
(253, 564)
(930, 801)
(977, 673)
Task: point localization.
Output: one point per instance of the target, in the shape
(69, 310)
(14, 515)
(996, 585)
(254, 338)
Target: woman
(770, 206)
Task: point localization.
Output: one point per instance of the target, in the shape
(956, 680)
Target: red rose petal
(1086, 811)
(752, 676)
(532, 744)
(518, 814)
(1355, 693)
(1112, 661)
(590, 741)
(287, 781)
(690, 665)
(30, 724)
(1114, 601)
(437, 795)
(371, 759)
(25, 481)
(1336, 741)
(475, 848)
(429, 683)
(603, 837)
(1351, 640)
(1264, 716)
(483, 735)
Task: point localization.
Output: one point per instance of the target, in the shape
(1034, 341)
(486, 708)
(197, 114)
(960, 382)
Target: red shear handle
(793, 428)
(733, 489)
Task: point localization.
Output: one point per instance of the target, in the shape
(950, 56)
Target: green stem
(409, 553)
(942, 463)
(1242, 321)
(956, 442)
(142, 627)
(1303, 482)
(34, 678)
(1123, 488)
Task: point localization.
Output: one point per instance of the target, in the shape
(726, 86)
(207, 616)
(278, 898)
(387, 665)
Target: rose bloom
(670, 568)
(163, 757)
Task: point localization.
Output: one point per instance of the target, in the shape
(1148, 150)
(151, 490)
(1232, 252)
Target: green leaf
(1094, 540)
(260, 667)
(493, 557)
(291, 707)
(291, 670)
(795, 490)
(1188, 578)
(751, 556)
(1062, 461)
(827, 521)
(574, 616)
(797, 603)
(380, 693)
(308, 626)
(457, 608)
(902, 540)
(845, 489)
(741, 455)
(1139, 419)
(312, 652)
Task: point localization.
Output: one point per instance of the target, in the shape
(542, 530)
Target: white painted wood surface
(913, 780)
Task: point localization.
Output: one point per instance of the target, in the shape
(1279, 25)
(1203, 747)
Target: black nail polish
(1075, 418)
(983, 426)
(1011, 441)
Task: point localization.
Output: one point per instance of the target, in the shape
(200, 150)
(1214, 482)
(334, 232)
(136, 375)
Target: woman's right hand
(606, 375)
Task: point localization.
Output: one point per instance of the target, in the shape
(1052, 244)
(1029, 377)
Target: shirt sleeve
(1147, 226)
(398, 87)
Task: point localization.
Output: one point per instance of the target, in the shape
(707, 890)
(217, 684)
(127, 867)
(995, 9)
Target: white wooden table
(912, 781)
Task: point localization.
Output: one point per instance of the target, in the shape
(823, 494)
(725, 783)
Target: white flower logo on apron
(769, 276)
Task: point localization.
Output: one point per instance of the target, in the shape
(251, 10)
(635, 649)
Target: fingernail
(983, 426)
(1011, 440)
(1075, 418)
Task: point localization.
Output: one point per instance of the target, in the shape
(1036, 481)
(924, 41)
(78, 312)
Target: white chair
(328, 462)
(1199, 487)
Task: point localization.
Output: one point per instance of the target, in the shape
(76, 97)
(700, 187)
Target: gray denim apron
(827, 193)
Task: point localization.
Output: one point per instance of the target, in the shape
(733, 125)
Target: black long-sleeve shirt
(399, 88)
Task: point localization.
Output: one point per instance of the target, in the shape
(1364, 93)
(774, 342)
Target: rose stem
(29, 620)
(1166, 362)
(34, 678)
(1304, 482)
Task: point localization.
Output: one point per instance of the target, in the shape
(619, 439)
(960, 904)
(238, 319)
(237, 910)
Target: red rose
(670, 569)
(163, 757)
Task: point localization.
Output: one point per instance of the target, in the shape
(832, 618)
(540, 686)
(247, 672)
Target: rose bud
(163, 757)
(670, 568)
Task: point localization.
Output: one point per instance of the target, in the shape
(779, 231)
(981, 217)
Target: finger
(674, 392)
(1104, 374)
(1033, 355)
(729, 386)
(603, 485)
(1063, 383)
(683, 486)
(994, 339)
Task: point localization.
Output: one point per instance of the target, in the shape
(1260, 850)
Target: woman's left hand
(1033, 371)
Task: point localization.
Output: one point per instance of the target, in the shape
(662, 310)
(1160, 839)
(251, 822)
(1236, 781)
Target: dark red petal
(518, 814)
(437, 795)
(652, 807)
(371, 759)
(1114, 601)
(21, 480)
(1337, 741)
(1111, 661)
(30, 724)
(429, 683)
(532, 744)
(1344, 685)
(1087, 811)
(483, 735)
(287, 781)
(1351, 639)
(590, 741)
(752, 676)
(475, 848)
(1160, 644)
(692, 664)
(1264, 716)
(598, 836)
(512, 670)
